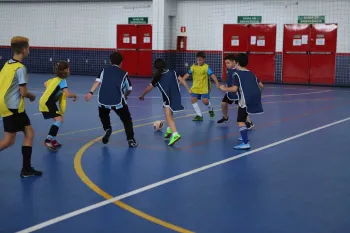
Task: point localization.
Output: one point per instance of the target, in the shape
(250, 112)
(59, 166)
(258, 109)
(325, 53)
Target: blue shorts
(200, 96)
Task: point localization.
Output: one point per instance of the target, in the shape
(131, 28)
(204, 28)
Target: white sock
(197, 109)
(210, 107)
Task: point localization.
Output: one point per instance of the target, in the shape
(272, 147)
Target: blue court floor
(294, 179)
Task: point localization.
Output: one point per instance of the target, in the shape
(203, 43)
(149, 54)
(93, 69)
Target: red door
(127, 46)
(323, 47)
(262, 49)
(235, 40)
(144, 38)
(295, 64)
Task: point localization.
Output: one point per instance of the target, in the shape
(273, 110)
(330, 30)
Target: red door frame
(144, 38)
(311, 60)
(135, 46)
(235, 40)
(262, 51)
(323, 49)
(295, 63)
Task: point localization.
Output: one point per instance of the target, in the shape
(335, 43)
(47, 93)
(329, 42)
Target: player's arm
(261, 85)
(94, 86)
(188, 74)
(128, 87)
(70, 94)
(148, 89)
(22, 81)
(213, 77)
(235, 85)
(145, 92)
(229, 89)
(64, 87)
(183, 82)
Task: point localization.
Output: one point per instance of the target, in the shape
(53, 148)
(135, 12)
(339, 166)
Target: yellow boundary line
(80, 172)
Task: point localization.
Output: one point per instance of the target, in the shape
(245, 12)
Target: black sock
(53, 131)
(27, 155)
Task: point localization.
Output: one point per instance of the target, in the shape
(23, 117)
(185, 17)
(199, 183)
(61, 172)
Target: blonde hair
(19, 43)
(19, 39)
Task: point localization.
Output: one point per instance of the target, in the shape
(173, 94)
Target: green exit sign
(249, 19)
(138, 20)
(311, 19)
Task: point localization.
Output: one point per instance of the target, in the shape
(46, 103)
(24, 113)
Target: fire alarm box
(181, 43)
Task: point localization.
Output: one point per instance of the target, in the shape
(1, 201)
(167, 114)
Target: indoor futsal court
(295, 178)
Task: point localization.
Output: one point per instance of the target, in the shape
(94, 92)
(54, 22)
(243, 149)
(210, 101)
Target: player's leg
(125, 117)
(199, 116)
(224, 108)
(54, 130)
(25, 125)
(50, 141)
(249, 123)
(241, 119)
(7, 141)
(175, 136)
(106, 122)
(206, 101)
(10, 131)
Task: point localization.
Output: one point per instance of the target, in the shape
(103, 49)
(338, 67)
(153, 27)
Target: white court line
(157, 184)
(156, 97)
(306, 93)
(217, 97)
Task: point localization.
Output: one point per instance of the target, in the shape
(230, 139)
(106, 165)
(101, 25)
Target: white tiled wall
(204, 19)
(83, 24)
(93, 25)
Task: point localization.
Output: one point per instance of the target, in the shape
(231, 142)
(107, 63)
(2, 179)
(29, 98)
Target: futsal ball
(158, 125)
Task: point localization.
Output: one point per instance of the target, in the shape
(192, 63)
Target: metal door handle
(261, 52)
(297, 52)
(328, 53)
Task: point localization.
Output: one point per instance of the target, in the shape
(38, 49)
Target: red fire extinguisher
(181, 42)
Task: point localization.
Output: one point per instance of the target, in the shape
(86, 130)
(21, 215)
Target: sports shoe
(174, 138)
(132, 143)
(198, 118)
(168, 133)
(242, 146)
(249, 125)
(56, 144)
(107, 135)
(30, 172)
(48, 144)
(212, 114)
(222, 120)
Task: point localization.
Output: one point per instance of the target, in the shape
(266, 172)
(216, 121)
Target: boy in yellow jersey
(56, 91)
(201, 87)
(13, 90)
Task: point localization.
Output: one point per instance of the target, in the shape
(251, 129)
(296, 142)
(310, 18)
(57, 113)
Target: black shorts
(242, 114)
(165, 101)
(227, 100)
(16, 122)
(52, 113)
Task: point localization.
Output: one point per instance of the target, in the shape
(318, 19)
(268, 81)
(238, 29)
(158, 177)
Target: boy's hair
(230, 57)
(60, 69)
(200, 54)
(116, 58)
(160, 66)
(242, 59)
(19, 43)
